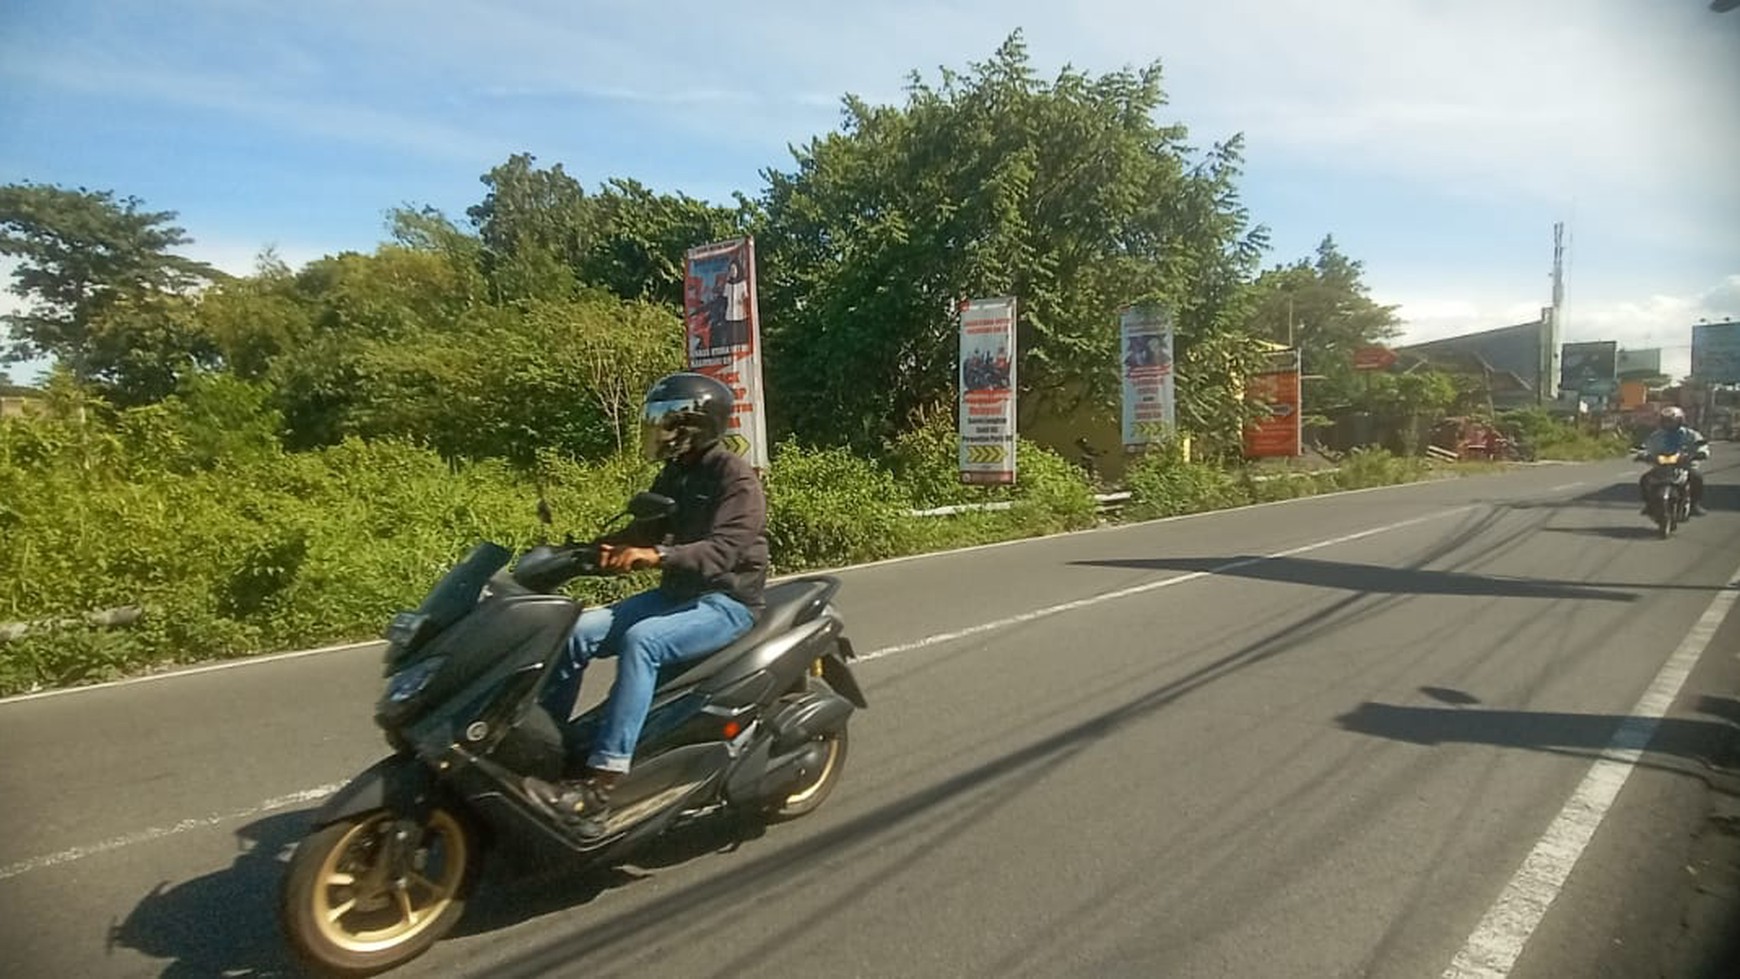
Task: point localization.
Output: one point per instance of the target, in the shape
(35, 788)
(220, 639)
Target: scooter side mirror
(651, 506)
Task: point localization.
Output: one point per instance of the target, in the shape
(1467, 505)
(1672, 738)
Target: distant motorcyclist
(1673, 435)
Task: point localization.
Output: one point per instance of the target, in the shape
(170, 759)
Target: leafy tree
(640, 238)
(92, 268)
(541, 236)
(535, 226)
(1065, 194)
(1323, 306)
(565, 375)
(316, 330)
(146, 344)
(256, 319)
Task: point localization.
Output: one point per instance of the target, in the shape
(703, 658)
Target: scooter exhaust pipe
(817, 713)
(787, 772)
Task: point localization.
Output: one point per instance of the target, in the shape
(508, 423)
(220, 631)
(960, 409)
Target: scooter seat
(789, 605)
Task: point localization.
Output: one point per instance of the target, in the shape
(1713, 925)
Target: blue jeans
(644, 631)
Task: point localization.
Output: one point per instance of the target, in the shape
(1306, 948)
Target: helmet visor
(664, 434)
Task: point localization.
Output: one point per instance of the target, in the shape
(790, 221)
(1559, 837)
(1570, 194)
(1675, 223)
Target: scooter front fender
(398, 783)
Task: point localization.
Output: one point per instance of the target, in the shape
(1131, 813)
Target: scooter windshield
(457, 591)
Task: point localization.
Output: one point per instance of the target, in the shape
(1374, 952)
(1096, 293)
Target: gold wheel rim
(392, 914)
(800, 797)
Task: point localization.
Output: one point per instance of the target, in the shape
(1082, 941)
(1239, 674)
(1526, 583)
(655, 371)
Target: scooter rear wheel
(808, 797)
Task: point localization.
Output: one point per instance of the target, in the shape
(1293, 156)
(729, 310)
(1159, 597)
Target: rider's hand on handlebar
(625, 559)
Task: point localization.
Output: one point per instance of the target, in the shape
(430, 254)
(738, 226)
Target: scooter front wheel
(372, 892)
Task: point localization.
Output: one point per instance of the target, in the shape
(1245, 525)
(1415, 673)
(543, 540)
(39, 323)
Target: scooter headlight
(410, 682)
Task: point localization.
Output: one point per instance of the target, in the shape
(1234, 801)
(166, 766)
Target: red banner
(723, 336)
(1373, 358)
(1277, 391)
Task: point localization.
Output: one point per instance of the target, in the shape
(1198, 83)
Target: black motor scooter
(758, 727)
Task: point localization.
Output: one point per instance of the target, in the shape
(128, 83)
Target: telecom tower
(1553, 316)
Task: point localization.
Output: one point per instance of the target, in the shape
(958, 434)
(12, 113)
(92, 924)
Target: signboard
(987, 419)
(1373, 358)
(1145, 345)
(1716, 352)
(1632, 394)
(722, 336)
(1280, 431)
(1635, 364)
(1589, 367)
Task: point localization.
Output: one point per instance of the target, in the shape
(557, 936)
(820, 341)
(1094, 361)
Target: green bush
(1162, 483)
(270, 553)
(1365, 468)
(829, 507)
(1556, 440)
(1050, 493)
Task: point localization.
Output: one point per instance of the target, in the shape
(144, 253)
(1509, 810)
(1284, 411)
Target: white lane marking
(1050, 610)
(1566, 486)
(1497, 942)
(80, 852)
(158, 832)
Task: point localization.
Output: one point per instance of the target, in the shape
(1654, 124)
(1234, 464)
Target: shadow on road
(508, 894)
(1641, 532)
(1624, 495)
(1708, 742)
(1375, 579)
(225, 923)
(1612, 495)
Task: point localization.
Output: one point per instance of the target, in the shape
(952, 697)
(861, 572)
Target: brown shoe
(582, 805)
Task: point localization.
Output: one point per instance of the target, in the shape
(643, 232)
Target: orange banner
(1278, 392)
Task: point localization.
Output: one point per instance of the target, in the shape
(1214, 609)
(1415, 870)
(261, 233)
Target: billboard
(1716, 352)
(1145, 344)
(987, 406)
(1639, 363)
(722, 336)
(1590, 368)
(1279, 431)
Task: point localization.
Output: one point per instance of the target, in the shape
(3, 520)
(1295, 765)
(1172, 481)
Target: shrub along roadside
(274, 551)
(1163, 484)
(1554, 440)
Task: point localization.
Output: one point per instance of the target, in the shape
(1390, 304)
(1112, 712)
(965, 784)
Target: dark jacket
(717, 539)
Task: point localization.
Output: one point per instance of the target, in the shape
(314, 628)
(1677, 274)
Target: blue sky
(1438, 141)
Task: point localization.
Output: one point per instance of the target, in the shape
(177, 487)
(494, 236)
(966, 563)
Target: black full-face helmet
(683, 413)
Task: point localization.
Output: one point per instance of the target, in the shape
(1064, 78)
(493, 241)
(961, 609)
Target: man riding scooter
(713, 555)
(1672, 436)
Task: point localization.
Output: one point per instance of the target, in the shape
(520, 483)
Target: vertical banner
(722, 336)
(1279, 431)
(1145, 338)
(987, 419)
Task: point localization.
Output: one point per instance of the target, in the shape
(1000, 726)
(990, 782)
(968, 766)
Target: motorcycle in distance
(1667, 486)
(758, 728)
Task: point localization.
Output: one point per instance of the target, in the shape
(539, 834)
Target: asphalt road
(1309, 739)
